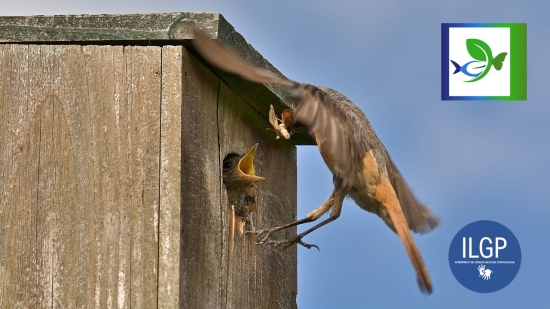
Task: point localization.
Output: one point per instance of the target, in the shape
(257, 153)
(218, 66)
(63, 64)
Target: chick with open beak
(239, 178)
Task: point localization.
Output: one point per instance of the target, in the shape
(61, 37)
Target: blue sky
(468, 160)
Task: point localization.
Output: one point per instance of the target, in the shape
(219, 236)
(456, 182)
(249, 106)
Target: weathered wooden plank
(55, 236)
(152, 29)
(80, 187)
(42, 164)
(57, 192)
(200, 285)
(143, 65)
(18, 165)
(110, 167)
(103, 27)
(217, 122)
(107, 230)
(170, 178)
(259, 276)
(124, 146)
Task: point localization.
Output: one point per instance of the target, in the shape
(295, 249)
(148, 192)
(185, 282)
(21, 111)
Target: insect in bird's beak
(278, 125)
(283, 125)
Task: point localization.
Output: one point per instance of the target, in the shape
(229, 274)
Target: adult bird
(359, 162)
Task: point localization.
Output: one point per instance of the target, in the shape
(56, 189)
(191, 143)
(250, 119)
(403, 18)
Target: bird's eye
(230, 161)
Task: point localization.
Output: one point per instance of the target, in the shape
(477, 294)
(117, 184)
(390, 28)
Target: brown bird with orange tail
(359, 162)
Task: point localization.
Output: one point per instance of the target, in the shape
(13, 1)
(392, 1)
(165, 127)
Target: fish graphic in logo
(483, 56)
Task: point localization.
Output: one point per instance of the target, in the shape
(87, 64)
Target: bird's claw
(263, 236)
(287, 243)
(309, 246)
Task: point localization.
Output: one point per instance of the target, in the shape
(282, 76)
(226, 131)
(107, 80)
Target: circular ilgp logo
(484, 256)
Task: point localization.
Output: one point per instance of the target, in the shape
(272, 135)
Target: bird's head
(238, 171)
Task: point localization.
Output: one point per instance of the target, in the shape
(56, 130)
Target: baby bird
(239, 178)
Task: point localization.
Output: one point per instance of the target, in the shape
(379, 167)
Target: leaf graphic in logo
(478, 49)
(499, 59)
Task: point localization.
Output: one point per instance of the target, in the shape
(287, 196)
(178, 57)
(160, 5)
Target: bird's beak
(246, 166)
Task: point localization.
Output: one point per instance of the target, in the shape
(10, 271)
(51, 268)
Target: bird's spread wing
(317, 112)
(216, 54)
(326, 123)
(314, 110)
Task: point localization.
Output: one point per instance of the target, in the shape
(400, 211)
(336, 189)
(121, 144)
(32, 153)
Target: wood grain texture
(201, 214)
(170, 177)
(260, 276)
(18, 168)
(104, 27)
(143, 65)
(111, 189)
(153, 29)
(216, 122)
(81, 182)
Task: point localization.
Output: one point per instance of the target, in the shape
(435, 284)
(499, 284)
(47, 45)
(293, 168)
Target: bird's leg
(263, 235)
(334, 201)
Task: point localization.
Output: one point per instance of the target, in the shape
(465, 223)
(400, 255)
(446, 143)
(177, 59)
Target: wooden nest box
(112, 137)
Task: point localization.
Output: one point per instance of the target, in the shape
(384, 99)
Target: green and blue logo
(482, 54)
(484, 62)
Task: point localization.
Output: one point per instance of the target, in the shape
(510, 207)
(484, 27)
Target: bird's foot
(262, 237)
(289, 242)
